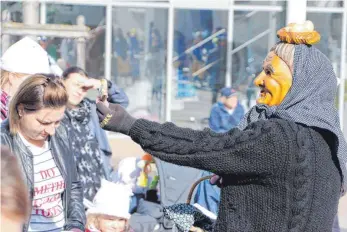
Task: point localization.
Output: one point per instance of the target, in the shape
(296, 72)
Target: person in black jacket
(34, 134)
(283, 169)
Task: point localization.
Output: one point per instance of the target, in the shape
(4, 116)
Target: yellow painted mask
(274, 81)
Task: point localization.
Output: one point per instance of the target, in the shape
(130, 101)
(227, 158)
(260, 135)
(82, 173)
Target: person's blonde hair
(93, 220)
(35, 93)
(14, 194)
(4, 76)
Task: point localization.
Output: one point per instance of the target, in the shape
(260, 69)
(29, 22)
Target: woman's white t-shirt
(47, 208)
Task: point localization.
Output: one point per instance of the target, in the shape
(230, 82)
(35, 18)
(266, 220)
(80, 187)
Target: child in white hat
(110, 210)
(22, 59)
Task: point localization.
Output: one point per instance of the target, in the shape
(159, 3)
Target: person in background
(134, 50)
(227, 113)
(49, 46)
(51, 50)
(91, 149)
(68, 51)
(15, 206)
(120, 53)
(36, 136)
(19, 61)
(109, 212)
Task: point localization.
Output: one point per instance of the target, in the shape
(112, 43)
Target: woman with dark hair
(91, 149)
(34, 134)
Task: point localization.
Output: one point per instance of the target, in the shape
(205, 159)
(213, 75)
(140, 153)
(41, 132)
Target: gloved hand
(114, 118)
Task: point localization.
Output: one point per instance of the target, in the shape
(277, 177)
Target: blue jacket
(115, 95)
(221, 121)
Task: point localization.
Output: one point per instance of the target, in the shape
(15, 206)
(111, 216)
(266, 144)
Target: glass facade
(201, 39)
(259, 38)
(329, 26)
(260, 3)
(325, 3)
(199, 63)
(138, 65)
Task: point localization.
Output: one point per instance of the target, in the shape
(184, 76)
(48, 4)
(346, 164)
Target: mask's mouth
(263, 91)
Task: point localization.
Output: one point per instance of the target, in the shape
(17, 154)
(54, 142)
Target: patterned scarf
(4, 104)
(310, 101)
(86, 149)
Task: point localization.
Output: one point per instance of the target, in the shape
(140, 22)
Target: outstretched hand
(113, 117)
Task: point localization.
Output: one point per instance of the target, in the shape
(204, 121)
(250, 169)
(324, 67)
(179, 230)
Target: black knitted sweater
(277, 175)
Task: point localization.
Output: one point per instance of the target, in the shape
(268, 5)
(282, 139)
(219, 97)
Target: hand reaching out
(113, 117)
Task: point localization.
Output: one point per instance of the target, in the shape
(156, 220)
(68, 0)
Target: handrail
(192, 48)
(212, 36)
(234, 51)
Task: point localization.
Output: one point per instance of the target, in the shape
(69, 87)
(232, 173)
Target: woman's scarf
(86, 149)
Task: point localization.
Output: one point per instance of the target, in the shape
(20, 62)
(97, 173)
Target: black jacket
(278, 176)
(73, 194)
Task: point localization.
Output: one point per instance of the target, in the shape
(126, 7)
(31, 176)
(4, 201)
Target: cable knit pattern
(277, 175)
(302, 186)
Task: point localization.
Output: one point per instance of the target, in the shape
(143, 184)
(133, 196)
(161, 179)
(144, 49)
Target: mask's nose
(259, 80)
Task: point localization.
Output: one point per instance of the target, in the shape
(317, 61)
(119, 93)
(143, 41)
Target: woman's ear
(20, 109)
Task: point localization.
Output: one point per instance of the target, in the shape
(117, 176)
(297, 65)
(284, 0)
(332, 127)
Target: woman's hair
(14, 194)
(4, 76)
(286, 52)
(35, 93)
(93, 220)
(72, 70)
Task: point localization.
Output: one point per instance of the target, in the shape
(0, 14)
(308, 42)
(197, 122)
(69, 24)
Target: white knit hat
(112, 199)
(26, 56)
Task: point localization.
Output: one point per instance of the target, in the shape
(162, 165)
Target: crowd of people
(281, 166)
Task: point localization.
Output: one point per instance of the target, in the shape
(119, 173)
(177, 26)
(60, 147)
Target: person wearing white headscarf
(22, 59)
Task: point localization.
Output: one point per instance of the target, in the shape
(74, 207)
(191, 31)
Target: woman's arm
(261, 148)
(76, 218)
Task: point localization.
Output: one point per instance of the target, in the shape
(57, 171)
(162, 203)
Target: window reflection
(329, 26)
(138, 58)
(247, 63)
(200, 46)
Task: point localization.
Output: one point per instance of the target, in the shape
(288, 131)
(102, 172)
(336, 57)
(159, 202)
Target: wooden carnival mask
(274, 81)
(277, 76)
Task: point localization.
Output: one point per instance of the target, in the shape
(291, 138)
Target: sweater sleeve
(260, 148)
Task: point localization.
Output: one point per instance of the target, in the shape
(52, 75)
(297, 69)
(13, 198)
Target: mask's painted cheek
(275, 83)
(274, 89)
(283, 76)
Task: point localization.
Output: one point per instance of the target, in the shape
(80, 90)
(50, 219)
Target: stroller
(177, 186)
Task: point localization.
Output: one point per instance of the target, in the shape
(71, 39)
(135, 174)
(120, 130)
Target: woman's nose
(50, 129)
